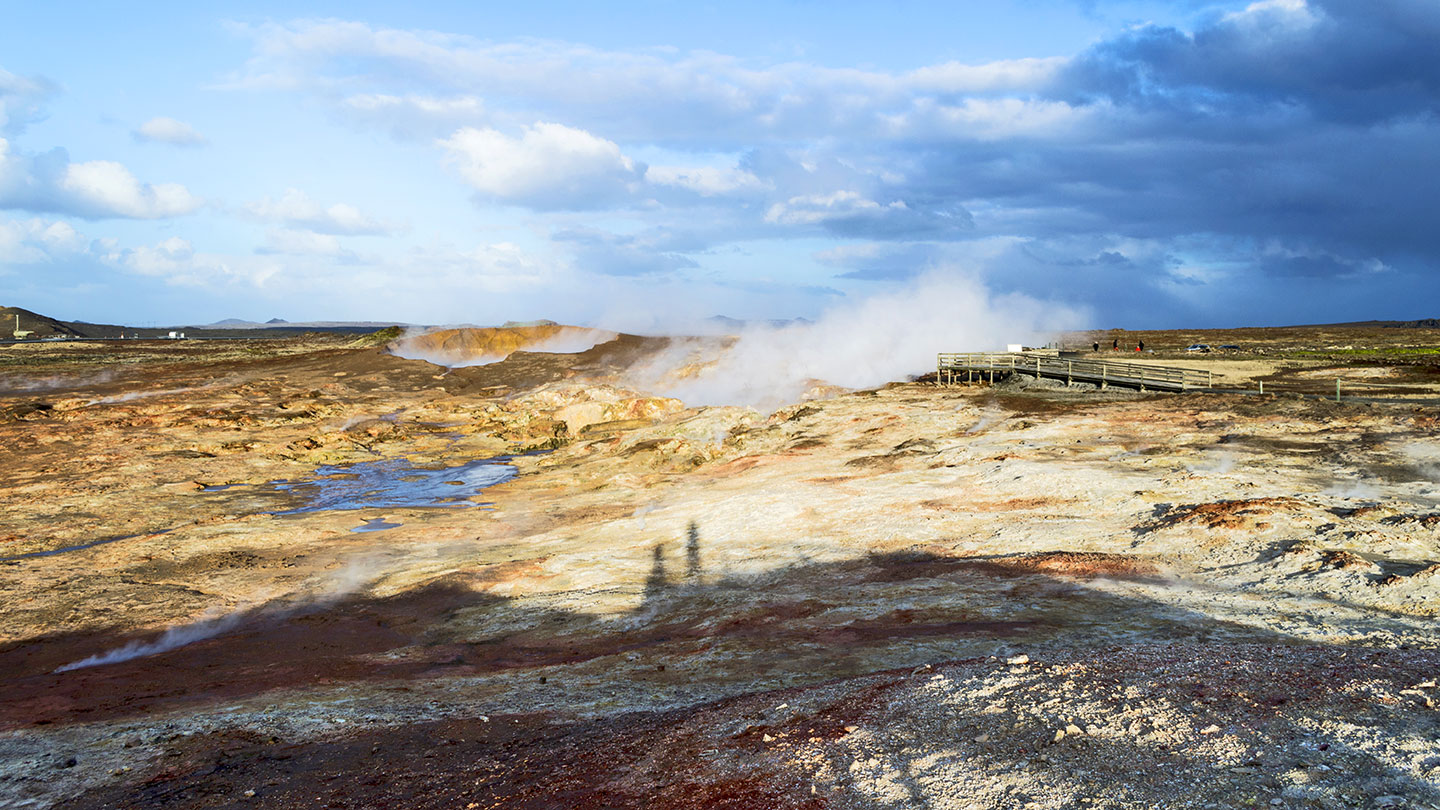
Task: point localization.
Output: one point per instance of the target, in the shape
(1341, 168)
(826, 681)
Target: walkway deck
(955, 368)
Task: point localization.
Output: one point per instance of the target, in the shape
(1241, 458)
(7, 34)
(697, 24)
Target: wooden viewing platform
(954, 368)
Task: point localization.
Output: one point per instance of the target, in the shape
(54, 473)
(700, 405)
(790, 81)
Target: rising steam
(213, 624)
(358, 573)
(858, 344)
(462, 347)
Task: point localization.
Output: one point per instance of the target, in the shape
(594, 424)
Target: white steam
(212, 625)
(134, 395)
(1354, 490)
(988, 417)
(410, 346)
(356, 574)
(1218, 462)
(857, 344)
(54, 382)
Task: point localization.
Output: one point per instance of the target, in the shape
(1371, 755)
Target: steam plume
(857, 344)
(173, 637)
(461, 347)
(356, 574)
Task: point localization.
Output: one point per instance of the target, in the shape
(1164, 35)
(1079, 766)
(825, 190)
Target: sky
(639, 165)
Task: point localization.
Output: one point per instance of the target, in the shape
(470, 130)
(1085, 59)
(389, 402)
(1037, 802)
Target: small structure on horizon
(21, 334)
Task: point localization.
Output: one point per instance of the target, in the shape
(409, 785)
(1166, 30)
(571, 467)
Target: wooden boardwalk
(956, 368)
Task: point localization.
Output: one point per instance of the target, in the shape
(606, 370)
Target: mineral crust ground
(1010, 596)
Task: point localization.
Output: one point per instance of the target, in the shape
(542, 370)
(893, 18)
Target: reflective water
(385, 484)
(395, 483)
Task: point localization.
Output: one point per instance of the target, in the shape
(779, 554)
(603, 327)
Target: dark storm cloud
(1342, 60)
(1278, 146)
(1256, 162)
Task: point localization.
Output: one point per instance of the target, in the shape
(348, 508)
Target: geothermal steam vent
(470, 346)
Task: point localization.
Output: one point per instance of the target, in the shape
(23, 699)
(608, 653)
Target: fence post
(1337, 389)
(1262, 387)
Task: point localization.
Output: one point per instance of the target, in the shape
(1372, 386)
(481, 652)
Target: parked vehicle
(1198, 347)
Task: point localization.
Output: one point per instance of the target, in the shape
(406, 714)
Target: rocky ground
(1008, 596)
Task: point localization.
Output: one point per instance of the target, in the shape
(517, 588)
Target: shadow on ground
(806, 622)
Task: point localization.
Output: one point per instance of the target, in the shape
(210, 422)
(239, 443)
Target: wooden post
(1262, 387)
(1069, 372)
(1337, 389)
(1142, 379)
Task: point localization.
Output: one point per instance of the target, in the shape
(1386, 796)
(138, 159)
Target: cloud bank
(1256, 162)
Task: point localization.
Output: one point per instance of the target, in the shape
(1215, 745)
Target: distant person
(1115, 345)
(1095, 347)
(1140, 347)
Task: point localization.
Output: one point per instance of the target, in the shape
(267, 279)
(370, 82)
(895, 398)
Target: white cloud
(1003, 75)
(660, 94)
(707, 181)
(1270, 17)
(21, 99)
(296, 210)
(991, 119)
(35, 241)
(168, 130)
(437, 106)
(176, 262)
(303, 243)
(107, 186)
(164, 258)
(549, 166)
(95, 189)
(816, 208)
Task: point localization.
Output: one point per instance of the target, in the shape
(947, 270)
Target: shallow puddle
(395, 483)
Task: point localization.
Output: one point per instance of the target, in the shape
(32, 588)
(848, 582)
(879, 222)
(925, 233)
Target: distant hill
(40, 326)
(737, 324)
(1422, 323)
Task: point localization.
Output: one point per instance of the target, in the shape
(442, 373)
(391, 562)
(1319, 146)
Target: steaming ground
(463, 347)
(900, 596)
(858, 344)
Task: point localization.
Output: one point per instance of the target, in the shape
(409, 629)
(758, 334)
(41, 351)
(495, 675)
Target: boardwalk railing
(954, 368)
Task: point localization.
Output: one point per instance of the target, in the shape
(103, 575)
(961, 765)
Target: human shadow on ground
(852, 643)
(803, 622)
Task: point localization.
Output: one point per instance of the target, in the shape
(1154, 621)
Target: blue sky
(640, 164)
